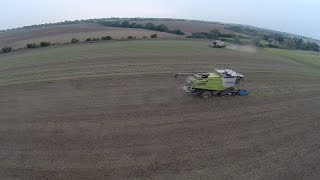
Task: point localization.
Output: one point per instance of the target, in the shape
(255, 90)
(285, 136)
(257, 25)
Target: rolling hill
(63, 32)
(113, 109)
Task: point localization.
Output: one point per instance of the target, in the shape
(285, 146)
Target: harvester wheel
(223, 93)
(206, 94)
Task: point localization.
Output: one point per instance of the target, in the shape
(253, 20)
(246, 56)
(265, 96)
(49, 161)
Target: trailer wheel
(206, 94)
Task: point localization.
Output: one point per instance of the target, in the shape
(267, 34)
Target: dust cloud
(243, 48)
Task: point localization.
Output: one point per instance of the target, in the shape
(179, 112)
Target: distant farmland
(64, 33)
(138, 28)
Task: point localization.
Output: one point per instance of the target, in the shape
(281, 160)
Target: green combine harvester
(223, 82)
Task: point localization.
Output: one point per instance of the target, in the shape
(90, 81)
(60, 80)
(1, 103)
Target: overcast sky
(294, 16)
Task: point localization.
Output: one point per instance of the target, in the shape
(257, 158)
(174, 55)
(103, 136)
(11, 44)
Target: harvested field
(64, 33)
(115, 111)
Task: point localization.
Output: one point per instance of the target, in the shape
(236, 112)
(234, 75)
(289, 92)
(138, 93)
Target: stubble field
(114, 110)
(64, 33)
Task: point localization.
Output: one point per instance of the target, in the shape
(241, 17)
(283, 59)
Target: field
(309, 58)
(60, 34)
(64, 33)
(113, 110)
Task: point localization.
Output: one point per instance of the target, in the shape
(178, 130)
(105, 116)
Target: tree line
(112, 23)
(216, 34)
(8, 49)
(258, 37)
(150, 26)
(213, 34)
(264, 38)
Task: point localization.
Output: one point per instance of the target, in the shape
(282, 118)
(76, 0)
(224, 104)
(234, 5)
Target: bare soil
(139, 124)
(64, 33)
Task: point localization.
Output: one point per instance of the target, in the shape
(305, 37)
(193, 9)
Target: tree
(106, 38)
(150, 26)
(266, 37)
(312, 46)
(298, 43)
(176, 31)
(162, 28)
(88, 39)
(6, 49)
(44, 44)
(213, 34)
(278, 37)
(130, 37)
(200, 35)
(228, 35)
(289, 43)
(272, 45)
(125, 24)
(154, 36)
(32, 45)
(74, 40)
(135, 25)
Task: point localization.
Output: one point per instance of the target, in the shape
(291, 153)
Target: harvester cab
(221, 82)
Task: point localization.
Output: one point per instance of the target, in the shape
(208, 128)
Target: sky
(294, 16)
